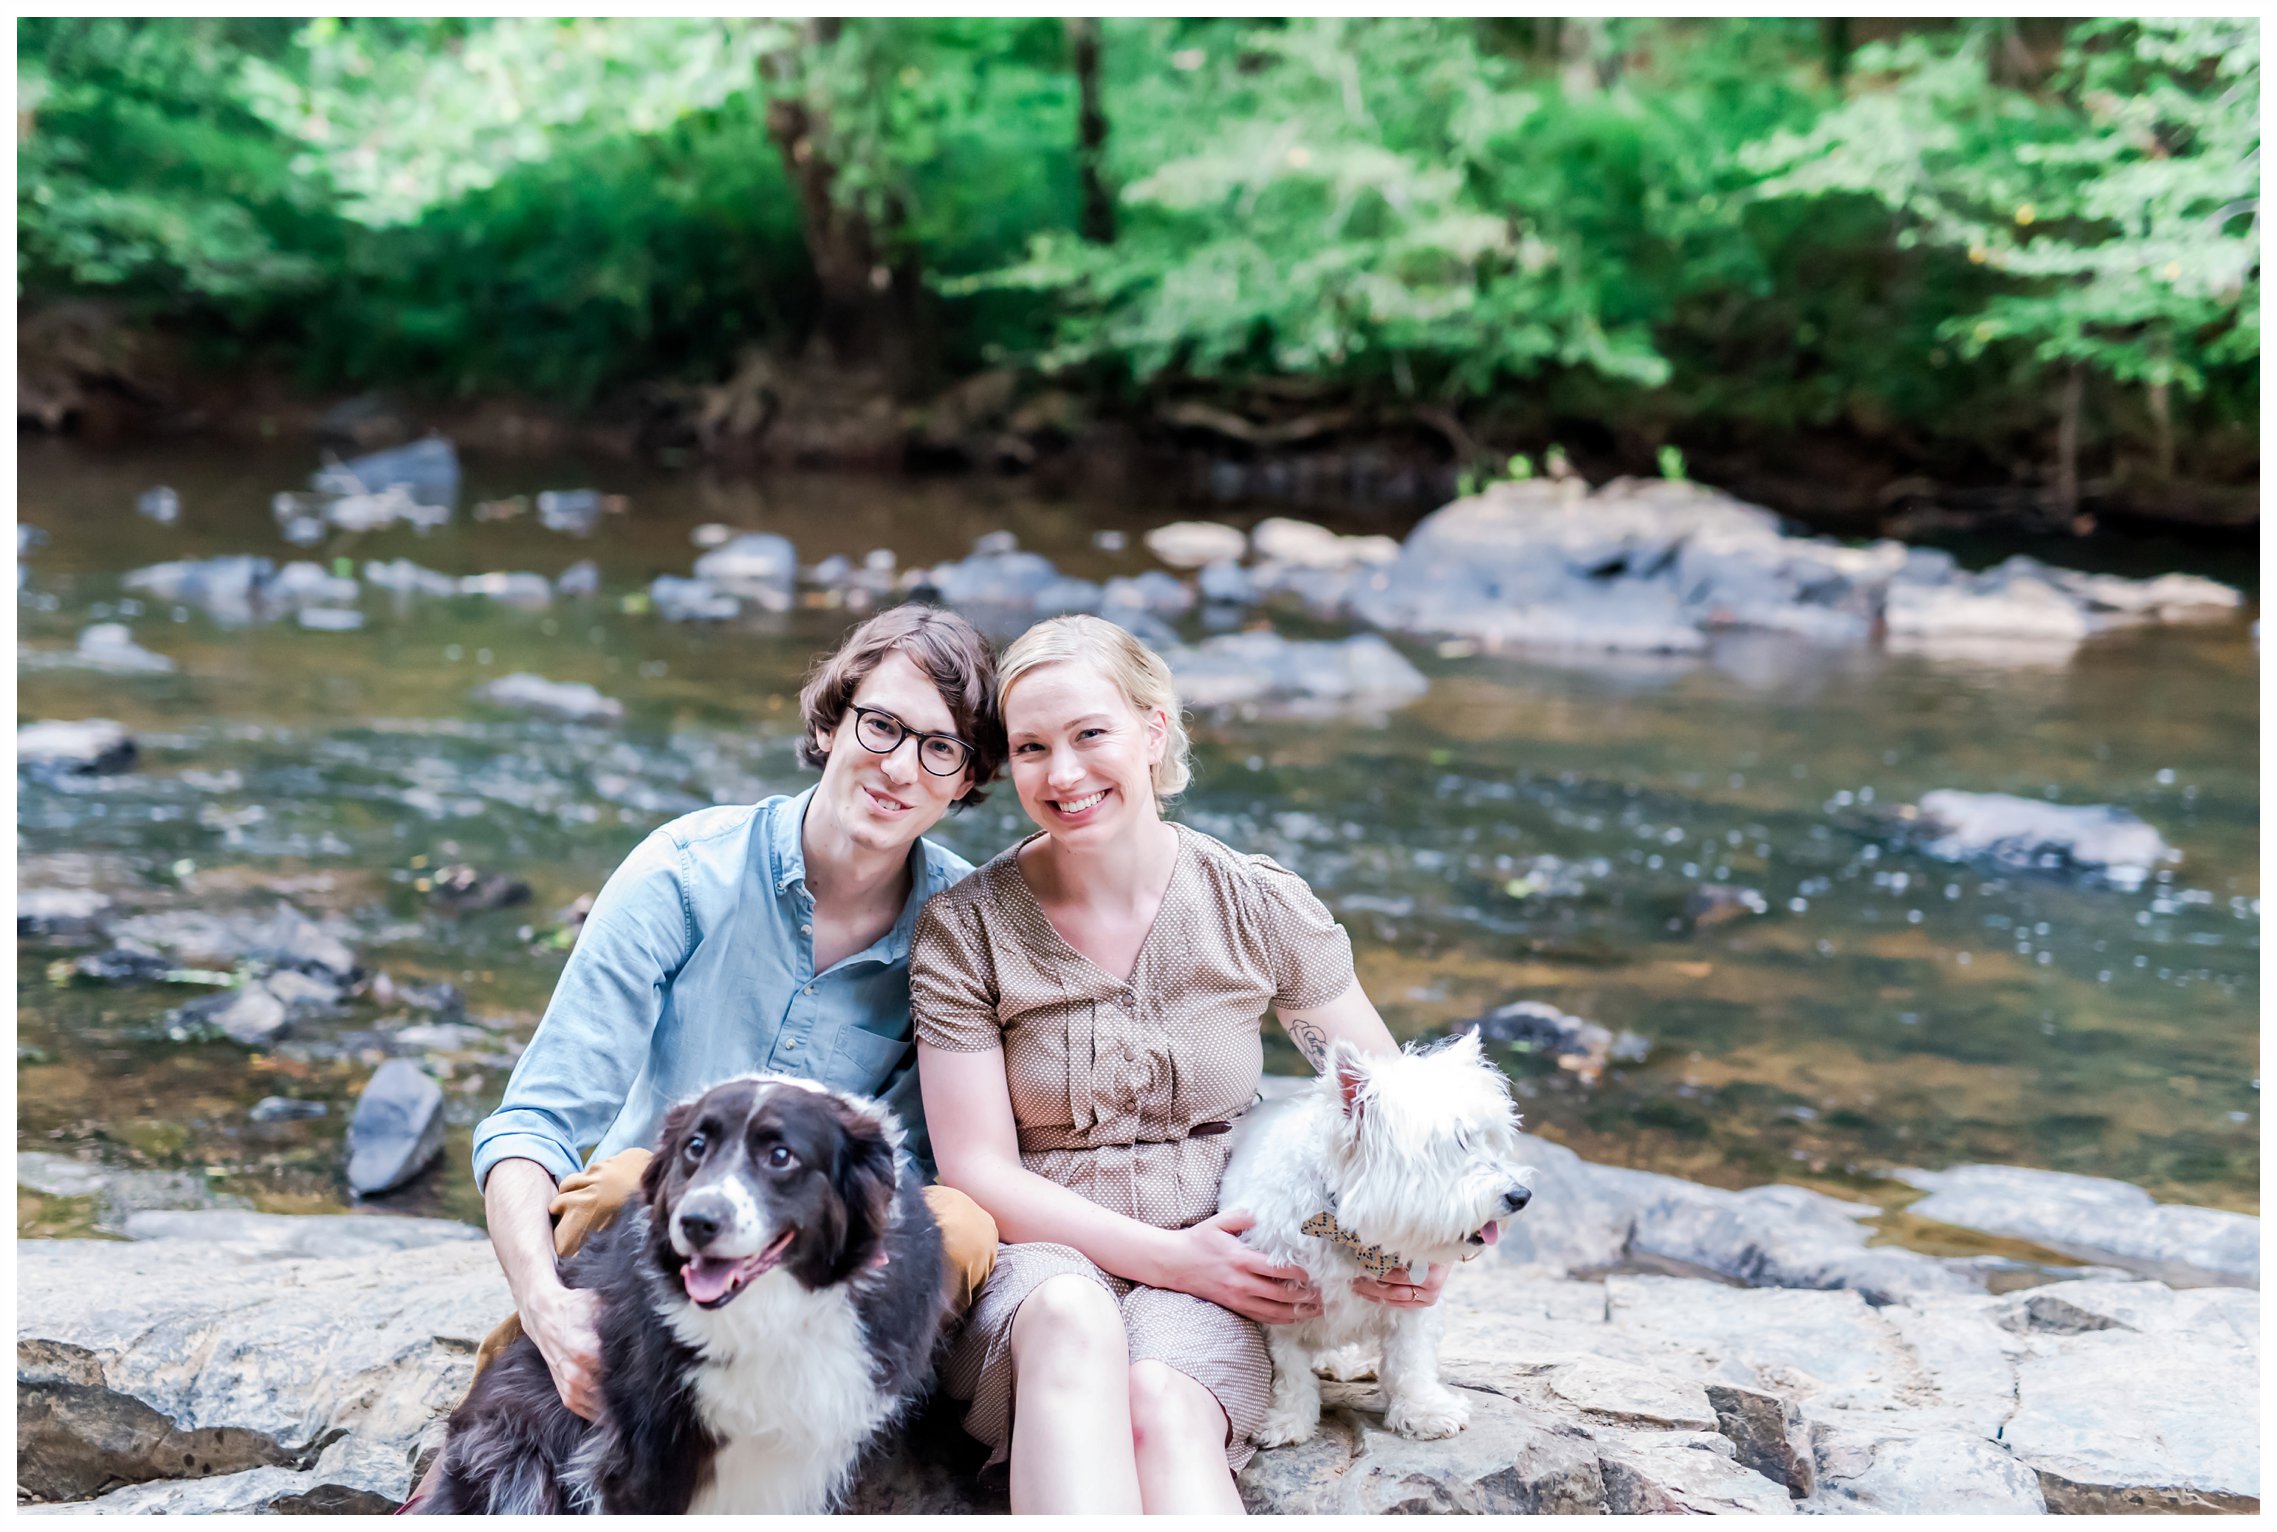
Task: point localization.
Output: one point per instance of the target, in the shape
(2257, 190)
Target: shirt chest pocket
(862, 1059)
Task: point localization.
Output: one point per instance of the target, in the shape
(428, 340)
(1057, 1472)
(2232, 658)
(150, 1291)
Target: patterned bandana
(1375, 1260)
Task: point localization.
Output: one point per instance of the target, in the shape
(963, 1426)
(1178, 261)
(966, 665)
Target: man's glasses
(944, 755)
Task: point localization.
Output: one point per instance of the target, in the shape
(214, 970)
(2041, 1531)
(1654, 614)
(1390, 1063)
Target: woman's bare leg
(1178, 1432)
(1071, 1417)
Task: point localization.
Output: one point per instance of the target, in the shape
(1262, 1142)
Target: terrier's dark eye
(781, 1158)
(693, 1150)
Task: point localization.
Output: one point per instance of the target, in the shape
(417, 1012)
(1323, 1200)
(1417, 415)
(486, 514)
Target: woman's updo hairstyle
(1137, 671)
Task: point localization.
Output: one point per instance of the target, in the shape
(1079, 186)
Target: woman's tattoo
(1311, 1041)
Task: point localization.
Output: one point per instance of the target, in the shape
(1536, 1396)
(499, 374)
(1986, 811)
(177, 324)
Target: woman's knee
(1168, 1406)
(1068, 1330)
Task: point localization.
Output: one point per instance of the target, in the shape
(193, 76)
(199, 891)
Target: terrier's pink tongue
(1491, 1233)
(708, 1278)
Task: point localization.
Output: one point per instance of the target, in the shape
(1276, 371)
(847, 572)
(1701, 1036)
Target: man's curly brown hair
(947, 648)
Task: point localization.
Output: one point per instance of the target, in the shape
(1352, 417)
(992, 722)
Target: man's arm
(563, 1321)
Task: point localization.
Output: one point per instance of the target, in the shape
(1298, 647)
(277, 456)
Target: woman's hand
(1209, 1261)
(566, 1324)
(1400, 1291)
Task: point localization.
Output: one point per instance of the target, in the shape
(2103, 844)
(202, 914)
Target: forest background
(2013, 259)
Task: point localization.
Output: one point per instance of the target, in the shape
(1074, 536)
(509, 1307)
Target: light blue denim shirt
(697, 965)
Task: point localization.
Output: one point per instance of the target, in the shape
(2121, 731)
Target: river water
(1531, 828)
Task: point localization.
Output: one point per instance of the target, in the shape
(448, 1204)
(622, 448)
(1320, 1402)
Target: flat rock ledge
(229, 1361)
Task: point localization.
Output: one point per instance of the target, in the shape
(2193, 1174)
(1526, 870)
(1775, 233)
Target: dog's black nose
(698, 1229)
(1516, 1198)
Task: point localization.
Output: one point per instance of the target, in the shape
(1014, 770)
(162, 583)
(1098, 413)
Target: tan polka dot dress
(1108, 1078)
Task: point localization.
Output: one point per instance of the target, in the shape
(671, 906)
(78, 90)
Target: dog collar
(1375, 1260)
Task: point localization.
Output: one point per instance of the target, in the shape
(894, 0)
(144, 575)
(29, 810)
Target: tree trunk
(2067, 447)
(2162, 410)
(1091, 131)
(1836, 30)
(862, 318)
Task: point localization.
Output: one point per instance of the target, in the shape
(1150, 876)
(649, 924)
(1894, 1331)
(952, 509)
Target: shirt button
(806, 930)
(808, 990)
(792, 1046)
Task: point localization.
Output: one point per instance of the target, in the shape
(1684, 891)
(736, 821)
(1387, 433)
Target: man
(772, 937)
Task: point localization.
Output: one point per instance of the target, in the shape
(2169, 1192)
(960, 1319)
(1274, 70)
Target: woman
(1087, 1010)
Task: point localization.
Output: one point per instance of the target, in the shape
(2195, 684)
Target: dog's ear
(668, 1141)
(1348, 1066)
(1465, 1044)
(865, 1178)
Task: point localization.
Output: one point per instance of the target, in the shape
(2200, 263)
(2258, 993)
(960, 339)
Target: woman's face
(1082, 756)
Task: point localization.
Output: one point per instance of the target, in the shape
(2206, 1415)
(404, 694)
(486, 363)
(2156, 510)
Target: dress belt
(1198, 1130)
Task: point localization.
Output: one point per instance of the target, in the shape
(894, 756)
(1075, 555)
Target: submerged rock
(468, 889)
(60, 911)
(74, 746)
(679, 600)
(160, 504)
(1715, 904)
(405, 578)
(1237, 669)
(1191, 544)
(2095, 1219)
(397, 1129)
(285, 938)
(759, 567)
(227, 589)
(2025, 833)
(110, 646)
(427, 471)
(519, 587)
(574, 701)
(1582, 1048)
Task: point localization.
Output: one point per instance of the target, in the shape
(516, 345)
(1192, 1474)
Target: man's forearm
(517, 1200)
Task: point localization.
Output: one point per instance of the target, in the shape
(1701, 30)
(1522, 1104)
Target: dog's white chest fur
(785, 1385)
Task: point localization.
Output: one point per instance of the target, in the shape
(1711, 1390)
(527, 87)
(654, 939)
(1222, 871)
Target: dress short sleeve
(1307, 952)
(952, 980)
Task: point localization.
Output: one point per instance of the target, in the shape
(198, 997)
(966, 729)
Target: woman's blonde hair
(1137, 671)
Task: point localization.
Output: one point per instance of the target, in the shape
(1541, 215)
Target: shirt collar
(786, 856)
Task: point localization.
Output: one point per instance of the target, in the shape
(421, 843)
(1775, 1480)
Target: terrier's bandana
(1375, 1260)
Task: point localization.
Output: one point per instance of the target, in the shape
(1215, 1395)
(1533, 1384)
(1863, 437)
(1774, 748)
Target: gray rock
(2181, 1432)
(1283, 540)
(678, 600)
(1152, 591)
(119, 1193)
(247, 1236)
(1786, 1236)
(573, 701)
(1191, 544)
(582, 578)
(575, 511)
(397, 1129)
(284, 938)
(426, 470)
(160, 504)
(286, 1109)
(1767, 1433)
(228, 589)
(1300, 676)
(302, 584)
(1510, 1460)
(2095, 1219)
(214, 1339)
(76, 1437)
(319, 619)
(249, 1015)
(1715, 904)
(1617, 1393)
(110, 646)
(532, 592)
(74, 747)
(1681, 1473)
(1936, 1473)
(1582, 1048)
(1227, 584)
(405, 578)
(2026, 833)
(759, 567)
(59, 911)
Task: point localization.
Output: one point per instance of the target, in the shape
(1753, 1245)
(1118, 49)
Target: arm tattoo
(1311, 1041)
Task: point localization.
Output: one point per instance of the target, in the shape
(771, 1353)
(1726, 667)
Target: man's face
(884, 802)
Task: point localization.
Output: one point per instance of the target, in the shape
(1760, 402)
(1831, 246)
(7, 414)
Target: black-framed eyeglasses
(880, 733)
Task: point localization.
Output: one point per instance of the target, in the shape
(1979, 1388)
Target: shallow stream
(1888, 1010)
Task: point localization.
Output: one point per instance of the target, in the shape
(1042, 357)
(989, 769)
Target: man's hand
(566, 1324)
(1401, 1291)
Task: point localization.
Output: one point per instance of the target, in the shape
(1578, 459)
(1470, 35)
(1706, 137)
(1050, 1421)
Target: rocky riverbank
(1639, 1344)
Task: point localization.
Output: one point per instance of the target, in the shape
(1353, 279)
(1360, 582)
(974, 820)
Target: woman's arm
(1351, 1016)
(977, 1148)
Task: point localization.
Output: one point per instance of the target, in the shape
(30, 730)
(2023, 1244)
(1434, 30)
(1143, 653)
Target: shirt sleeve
(952, 982)
(571, 1081)
(1304, 948)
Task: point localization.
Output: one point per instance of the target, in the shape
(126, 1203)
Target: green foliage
(1711, 228)
(2121, 204)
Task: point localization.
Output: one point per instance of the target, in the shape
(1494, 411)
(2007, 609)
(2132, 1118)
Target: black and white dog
(769, 1307)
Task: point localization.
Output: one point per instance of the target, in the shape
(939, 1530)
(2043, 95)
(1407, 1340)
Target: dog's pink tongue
(708, 1278)
(1491, 1233)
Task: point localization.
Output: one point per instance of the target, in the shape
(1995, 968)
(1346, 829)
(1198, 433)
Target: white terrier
(1406, 1160)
